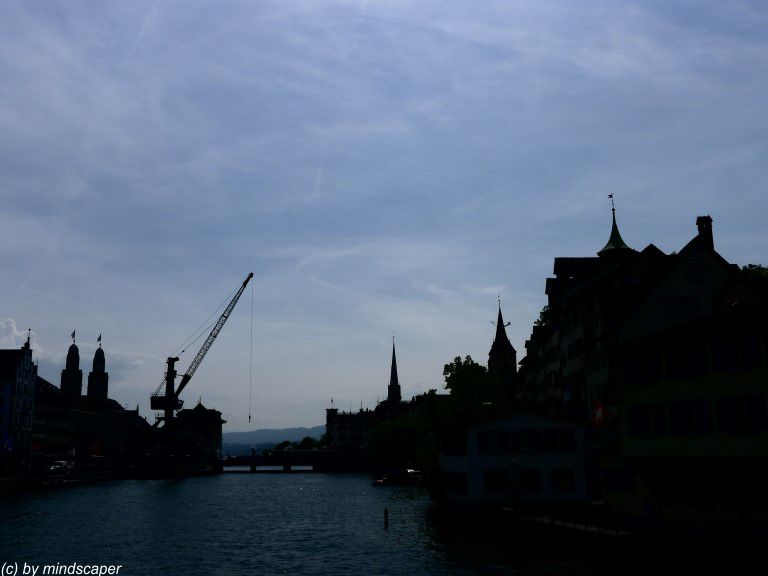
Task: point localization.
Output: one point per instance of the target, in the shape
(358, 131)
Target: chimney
(704, 224)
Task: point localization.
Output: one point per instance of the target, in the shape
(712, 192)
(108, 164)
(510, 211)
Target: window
(647, 420)
(750, 351)
(634, 368)
(725, 354)
(493, 442)
(454, 443)
(495, 481)
(562, 480)
(530, 441)
(529, 481)
(691, 417)
(560, 440)
(698, 357)
(741, 413)
(655, 365)
(618, 480)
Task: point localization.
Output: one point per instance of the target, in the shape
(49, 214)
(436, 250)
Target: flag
(99, 339)
(73, 334)
(610, 195)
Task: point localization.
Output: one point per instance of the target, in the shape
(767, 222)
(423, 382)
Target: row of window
(352, 438)
(521, 441)
(527, 441)
(695, 416)
(529, 481)
(694, 358)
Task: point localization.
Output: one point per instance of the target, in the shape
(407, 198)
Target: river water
(297, 524)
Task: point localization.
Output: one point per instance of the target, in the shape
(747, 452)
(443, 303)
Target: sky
(381, 167)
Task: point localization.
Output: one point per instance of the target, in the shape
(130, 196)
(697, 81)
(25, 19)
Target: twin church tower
(72, 375)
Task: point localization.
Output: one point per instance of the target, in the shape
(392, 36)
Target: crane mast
(168, 400)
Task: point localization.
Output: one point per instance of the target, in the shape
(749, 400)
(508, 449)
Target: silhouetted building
(502, 358)
(93, 431)
(393, 390)
(349, 431)
(98, 379)
(692, 416)
(596, 303)
(663, 357)
(51, 424)
(17, 388)
(72, 376)
(199, 430)
(524, 459)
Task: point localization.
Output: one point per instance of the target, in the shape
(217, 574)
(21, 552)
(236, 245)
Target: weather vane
(498, 296)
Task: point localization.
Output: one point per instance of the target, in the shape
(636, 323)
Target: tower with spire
(98, 379)
(72, 376)
(393, 390)
(615, 245)
(502, 358)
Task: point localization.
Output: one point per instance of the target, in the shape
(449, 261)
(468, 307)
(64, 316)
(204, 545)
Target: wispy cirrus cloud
(379, 166)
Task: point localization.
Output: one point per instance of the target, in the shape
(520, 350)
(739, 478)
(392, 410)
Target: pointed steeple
(393, 390)
(502, 354)
(502, 359)
(501, 343)
(615, 243)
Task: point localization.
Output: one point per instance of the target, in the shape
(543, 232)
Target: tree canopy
(475, 393)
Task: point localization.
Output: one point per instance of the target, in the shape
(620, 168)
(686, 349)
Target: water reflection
(301, 524)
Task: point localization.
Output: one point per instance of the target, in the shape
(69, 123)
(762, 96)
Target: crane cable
(204, 328)
(250, 366)
(201, 330)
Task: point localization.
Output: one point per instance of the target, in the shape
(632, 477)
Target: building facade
(18, 374)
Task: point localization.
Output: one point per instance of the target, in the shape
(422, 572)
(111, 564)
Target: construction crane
(168, 400)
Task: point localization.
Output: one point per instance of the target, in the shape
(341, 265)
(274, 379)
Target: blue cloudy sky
(379, 166)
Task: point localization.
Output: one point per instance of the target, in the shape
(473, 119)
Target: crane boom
(211, 337)
(169, 400)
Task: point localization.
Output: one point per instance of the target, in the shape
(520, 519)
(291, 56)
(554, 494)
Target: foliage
(545, 317)
(462, 375)
(307, 443)
(475, 393)
(757, 271)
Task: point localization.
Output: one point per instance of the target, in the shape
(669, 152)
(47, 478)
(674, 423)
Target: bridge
(288, 461)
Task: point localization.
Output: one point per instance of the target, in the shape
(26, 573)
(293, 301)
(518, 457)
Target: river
(297, 524)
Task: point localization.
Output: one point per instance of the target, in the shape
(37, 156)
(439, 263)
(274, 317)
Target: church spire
(615, 242)
(393, 390)
(502, 358)
(501, 344)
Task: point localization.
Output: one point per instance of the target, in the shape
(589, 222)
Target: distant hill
(240, 443)
(271, 435)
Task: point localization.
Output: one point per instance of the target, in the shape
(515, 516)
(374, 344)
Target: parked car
(61, 467)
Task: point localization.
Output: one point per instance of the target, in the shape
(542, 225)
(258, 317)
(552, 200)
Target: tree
(757, 271)
(545, 317)
(475, 394)
(462, 375)
(307, 443)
